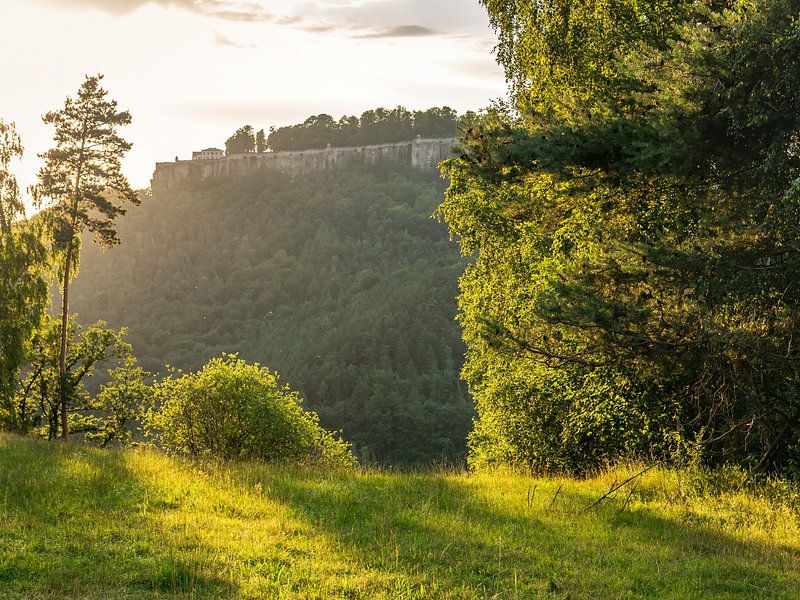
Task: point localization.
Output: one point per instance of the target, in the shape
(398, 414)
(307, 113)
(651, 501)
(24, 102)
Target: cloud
(378, 19)
(450, 16)
(222, 40)
(366, 19)
(401, 31)
(228, 10)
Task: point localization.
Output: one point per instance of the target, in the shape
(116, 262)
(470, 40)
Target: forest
(263, 265)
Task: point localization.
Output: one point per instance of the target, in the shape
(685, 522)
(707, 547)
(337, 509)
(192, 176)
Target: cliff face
(421, 153)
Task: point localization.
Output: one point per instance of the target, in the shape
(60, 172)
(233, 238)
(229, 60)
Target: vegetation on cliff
(340, 281)
(379, 126)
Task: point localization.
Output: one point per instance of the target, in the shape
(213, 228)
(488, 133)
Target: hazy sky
(192, 71)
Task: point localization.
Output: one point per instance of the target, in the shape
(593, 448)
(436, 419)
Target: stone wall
(421, 153)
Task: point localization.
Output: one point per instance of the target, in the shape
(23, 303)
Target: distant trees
(23, 290)
(261, 141)
(83, 179)
(374, 127)
(243, 141)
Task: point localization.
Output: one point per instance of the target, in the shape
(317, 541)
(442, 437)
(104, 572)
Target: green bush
(234, 410)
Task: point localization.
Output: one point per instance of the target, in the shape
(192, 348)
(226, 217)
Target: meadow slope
(77, 522)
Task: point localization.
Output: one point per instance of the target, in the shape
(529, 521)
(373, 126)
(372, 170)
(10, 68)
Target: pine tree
(82, 176)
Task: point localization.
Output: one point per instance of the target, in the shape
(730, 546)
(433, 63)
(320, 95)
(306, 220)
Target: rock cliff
(422, 153)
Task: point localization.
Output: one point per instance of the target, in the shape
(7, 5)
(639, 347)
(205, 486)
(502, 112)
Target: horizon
(192, 72)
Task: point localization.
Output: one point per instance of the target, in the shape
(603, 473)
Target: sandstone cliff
(421, 153)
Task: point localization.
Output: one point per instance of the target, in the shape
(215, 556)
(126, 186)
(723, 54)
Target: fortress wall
(422, 153)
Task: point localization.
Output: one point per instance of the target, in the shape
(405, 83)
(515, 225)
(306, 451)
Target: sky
(192, 71)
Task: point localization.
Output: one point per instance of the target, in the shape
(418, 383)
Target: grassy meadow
(78, 522)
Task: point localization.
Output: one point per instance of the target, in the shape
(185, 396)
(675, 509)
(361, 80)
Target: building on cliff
(420, 153)
(208, 154)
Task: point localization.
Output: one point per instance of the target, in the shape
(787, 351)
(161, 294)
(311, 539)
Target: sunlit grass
(77, 522)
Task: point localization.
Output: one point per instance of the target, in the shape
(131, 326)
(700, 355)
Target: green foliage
(566, 60)
(122, 402)
(23, 290)
(234, 410)
(242, 141)
(635, 224)
(82, 174)
(340, 281)
(109, 416)
(377, 126)
(261, 141)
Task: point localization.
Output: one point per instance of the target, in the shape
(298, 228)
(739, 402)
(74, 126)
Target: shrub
(234, 410)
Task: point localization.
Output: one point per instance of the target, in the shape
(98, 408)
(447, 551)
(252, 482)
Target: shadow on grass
(73, 523)
(82, 523)
(467, 538)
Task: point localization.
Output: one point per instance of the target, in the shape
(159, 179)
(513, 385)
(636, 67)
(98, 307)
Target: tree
(242, 141)
(23, 291)
(635, 222)
(82, 176)
(261, 142)
(122, 403)
(38, 400)
(11, 206)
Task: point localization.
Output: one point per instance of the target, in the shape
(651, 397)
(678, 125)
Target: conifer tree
(82, 177)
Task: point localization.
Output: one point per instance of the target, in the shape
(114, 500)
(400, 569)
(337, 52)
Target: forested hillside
(340, 281)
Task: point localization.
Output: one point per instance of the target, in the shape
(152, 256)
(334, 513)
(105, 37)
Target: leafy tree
(436, 122)
(242, 141)
(38, 399)
(11, 207)
(23, 291)
(82, 177)
(122, 403)
(261, 141)
(236, 410)
(634, 222)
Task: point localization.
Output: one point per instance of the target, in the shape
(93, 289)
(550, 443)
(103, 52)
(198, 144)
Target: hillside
(339, 280)
(78, 522)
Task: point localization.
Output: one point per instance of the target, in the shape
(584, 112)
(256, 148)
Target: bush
(234, 410)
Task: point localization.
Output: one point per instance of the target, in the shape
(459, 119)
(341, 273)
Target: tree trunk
(62, 356)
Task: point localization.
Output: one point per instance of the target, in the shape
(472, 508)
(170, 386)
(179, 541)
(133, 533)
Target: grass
(78, 522)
